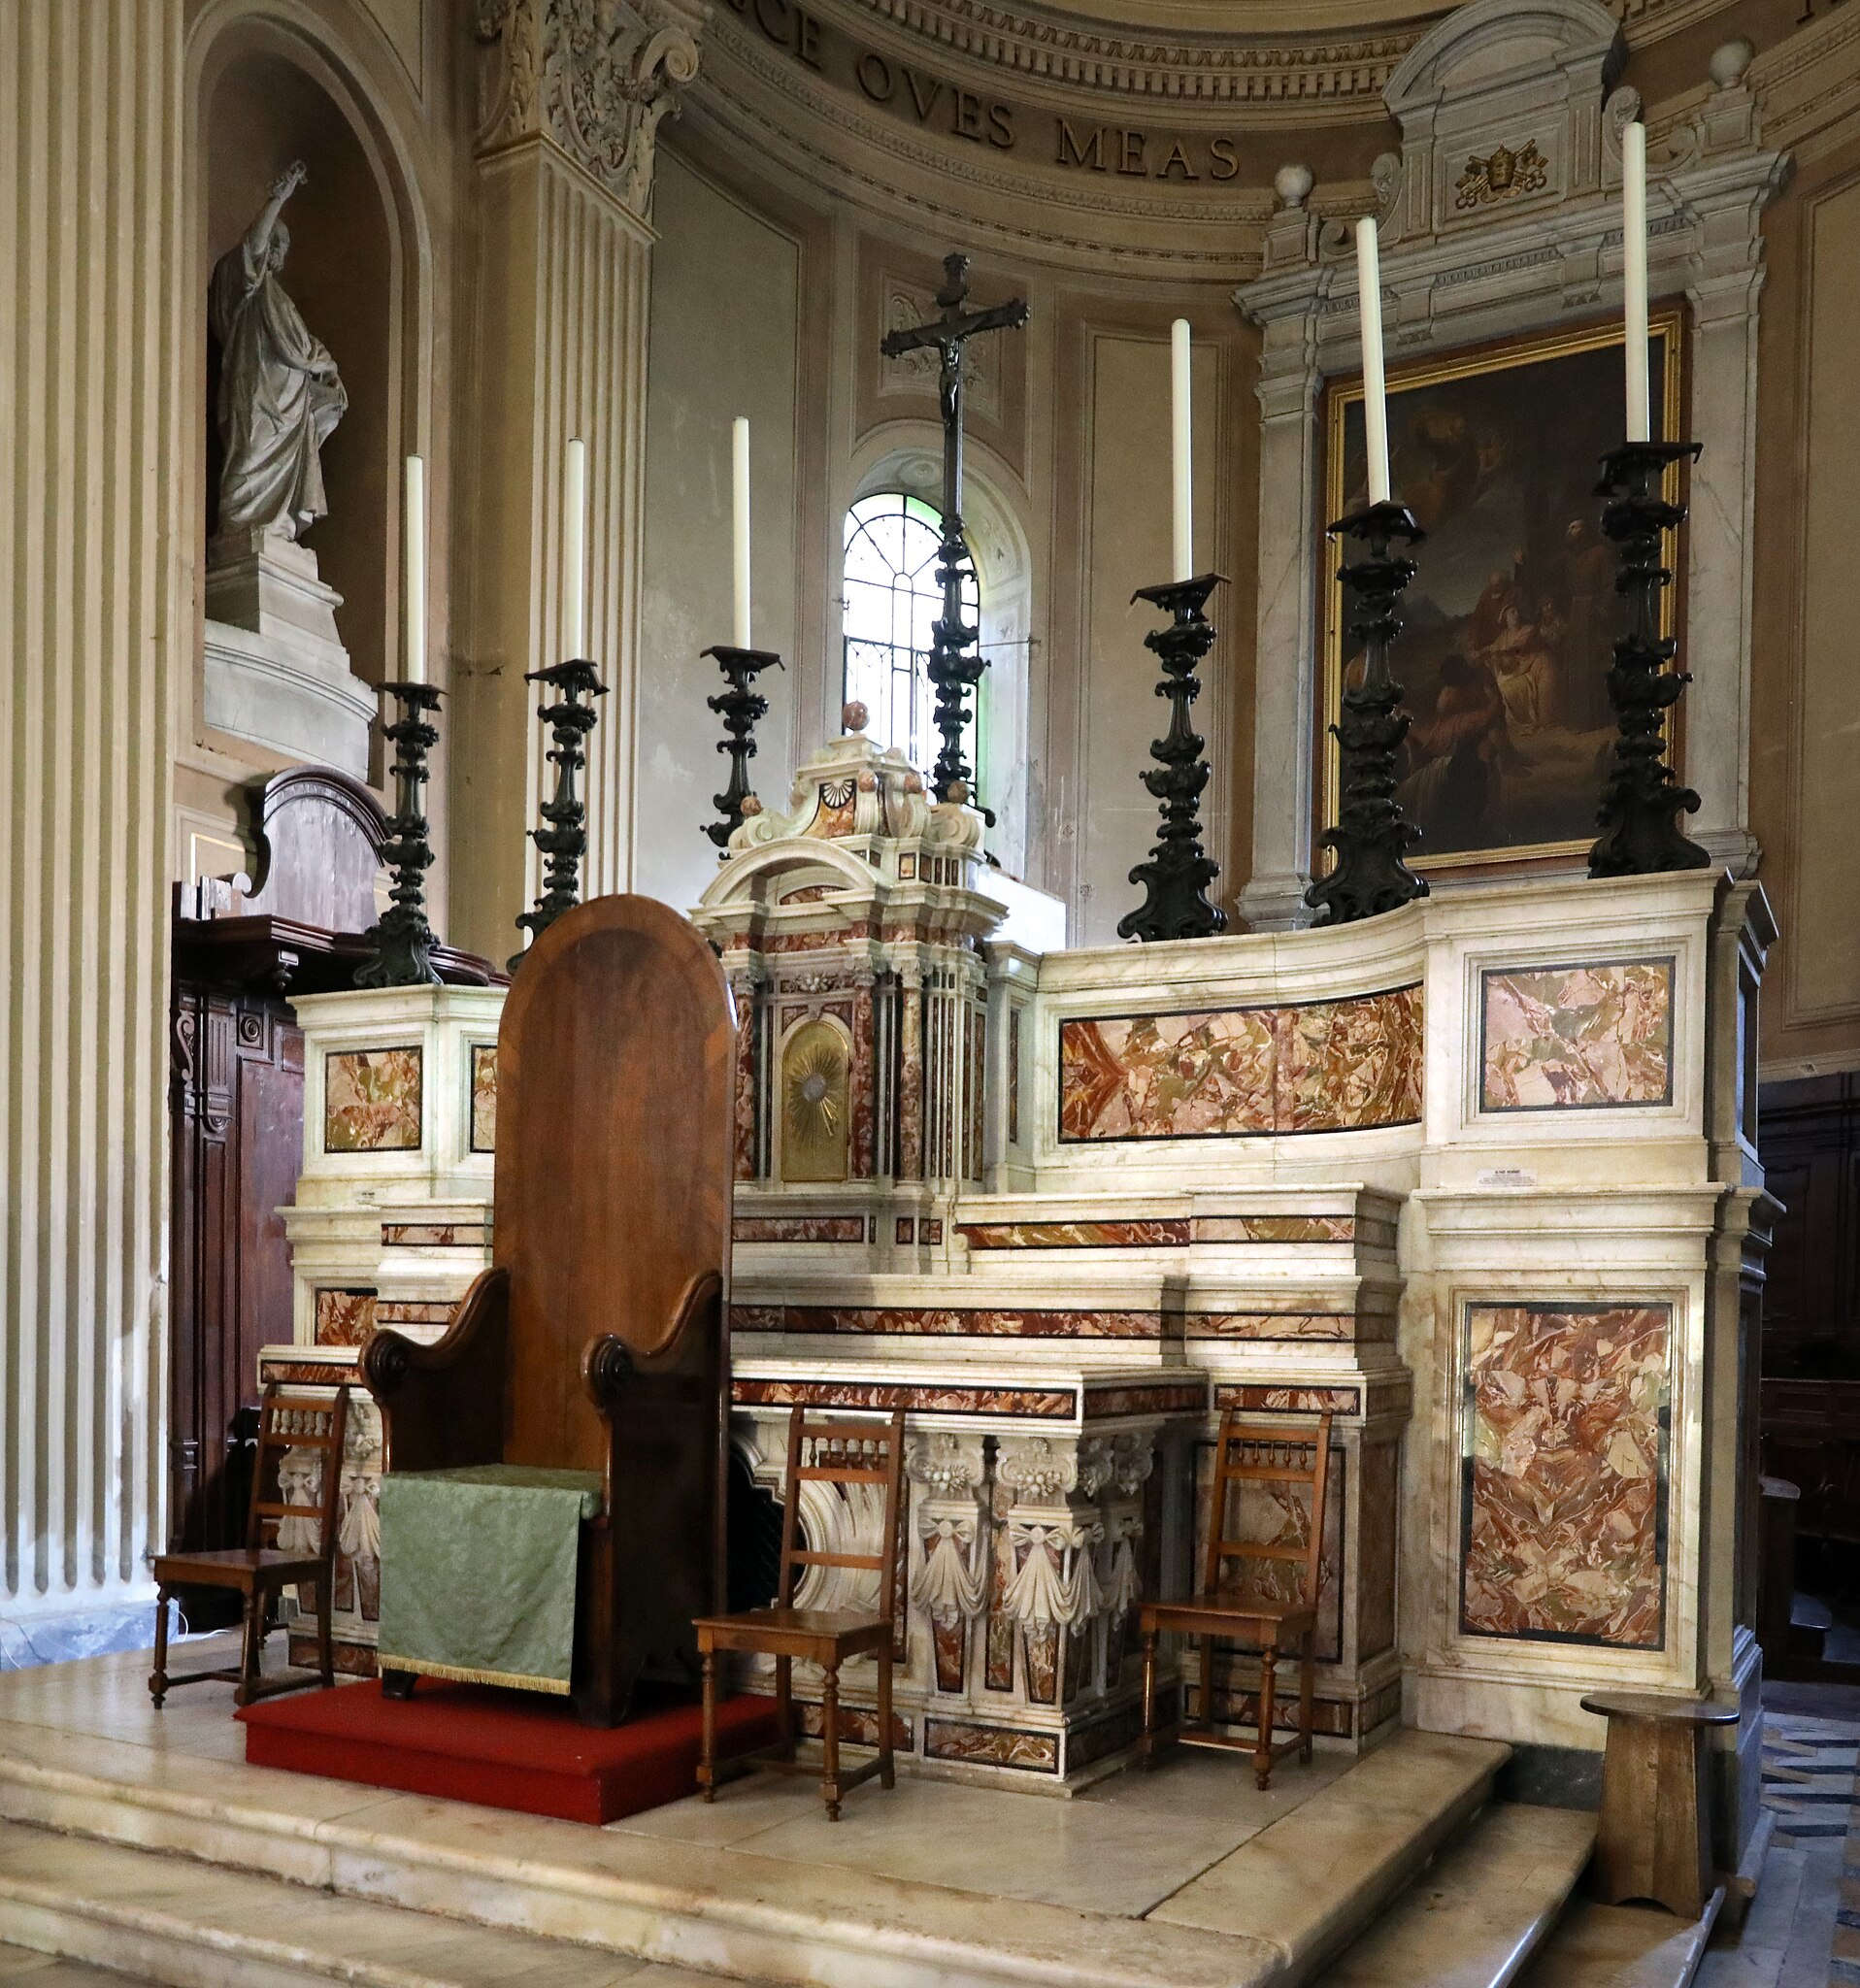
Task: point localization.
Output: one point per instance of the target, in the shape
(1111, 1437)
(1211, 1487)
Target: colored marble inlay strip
(309, 1373)
(1564, 1039)
(991, 1746)
(1169, 1398)
(1156, 1234)
(1275, 1229)
(1322, 1066)
(372, 1100)
(344, 1317)
(1269, 1325)
(1040, 1403)
(1290, 1400)
(436, 1235)
(933, 1323)
(414, 1312)
(484, 1097)
(798, 1229)
(1564, 1495)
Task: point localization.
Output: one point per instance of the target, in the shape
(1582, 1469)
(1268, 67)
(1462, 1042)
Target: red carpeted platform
(506, 1749)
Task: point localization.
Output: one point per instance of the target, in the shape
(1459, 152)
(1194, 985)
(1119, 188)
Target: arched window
(892, 598)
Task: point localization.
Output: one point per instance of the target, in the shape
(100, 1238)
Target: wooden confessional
(236, 1114)
(597, 1340)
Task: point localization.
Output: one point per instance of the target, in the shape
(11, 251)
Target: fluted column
(91, 251)
(571, 94)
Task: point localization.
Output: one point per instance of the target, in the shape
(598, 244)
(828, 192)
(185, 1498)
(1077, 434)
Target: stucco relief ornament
(596, 75)
(1502, 175)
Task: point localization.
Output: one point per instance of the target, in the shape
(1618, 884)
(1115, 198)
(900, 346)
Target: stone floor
(1804, 1930)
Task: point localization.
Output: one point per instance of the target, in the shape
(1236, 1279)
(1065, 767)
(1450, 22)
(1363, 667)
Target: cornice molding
(1333, 70)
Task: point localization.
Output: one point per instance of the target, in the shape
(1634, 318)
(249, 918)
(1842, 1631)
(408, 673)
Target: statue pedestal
(276, 669)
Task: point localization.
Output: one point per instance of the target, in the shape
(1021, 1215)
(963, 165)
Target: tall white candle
(575, 552)
(412, 662)
(1369, 289)
(1182, 435)
(740, 529)
(1634, 277)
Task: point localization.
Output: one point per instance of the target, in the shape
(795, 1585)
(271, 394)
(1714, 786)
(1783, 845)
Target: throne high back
(596, 1341)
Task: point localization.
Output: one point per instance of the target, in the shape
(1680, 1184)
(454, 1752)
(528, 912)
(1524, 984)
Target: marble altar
(1477, 1177)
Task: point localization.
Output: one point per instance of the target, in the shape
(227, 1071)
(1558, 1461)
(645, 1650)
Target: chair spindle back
(1268, 1456)
(301, 1422)
(843, 1453)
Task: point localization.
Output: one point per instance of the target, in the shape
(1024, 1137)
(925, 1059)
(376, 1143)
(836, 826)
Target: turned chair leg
(784, 1705)
(1263, 1750)
(888, 1768)
(706, 1755)
(158, 1676)
(830, 1741)
(326, 1638)
(1306, 1666)
(252, 1643)
(1147, 1745)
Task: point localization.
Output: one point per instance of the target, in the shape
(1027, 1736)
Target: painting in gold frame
(1507, 626)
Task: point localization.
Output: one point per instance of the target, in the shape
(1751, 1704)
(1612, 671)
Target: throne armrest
(442, 1406)
(606, 1360)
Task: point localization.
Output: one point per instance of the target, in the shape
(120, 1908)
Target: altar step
(186, 1925)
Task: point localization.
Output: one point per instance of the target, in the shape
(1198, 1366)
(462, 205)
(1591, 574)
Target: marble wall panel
(1563, 1473)
(1269, 1325)
(1138, 1234)
(798, 1229)
(1566, 1037)
(1325, 1066)
(484, 1097)
(1377, 1534)
(990, 1745)
(372, 1100)
(344, 1318)
(1292, 1401)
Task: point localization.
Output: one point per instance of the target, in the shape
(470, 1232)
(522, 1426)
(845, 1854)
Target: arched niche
(267, 91)
(908, 456)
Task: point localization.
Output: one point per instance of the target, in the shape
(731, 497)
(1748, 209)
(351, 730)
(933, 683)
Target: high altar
(1477, 1177)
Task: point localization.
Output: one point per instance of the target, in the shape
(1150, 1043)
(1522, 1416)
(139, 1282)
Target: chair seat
(848, 1630)
(229, 1567)
(1203, 1613)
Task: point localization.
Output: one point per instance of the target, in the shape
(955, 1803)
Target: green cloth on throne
(478, 1573)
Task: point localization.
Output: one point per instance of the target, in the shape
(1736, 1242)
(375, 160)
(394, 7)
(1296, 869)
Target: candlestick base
(1372, 836)
(564, 841)
(739, 707)
(401, 940)
(1178, 871)
(1641, 835)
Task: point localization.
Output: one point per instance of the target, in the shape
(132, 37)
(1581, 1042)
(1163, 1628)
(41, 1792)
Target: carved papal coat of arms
(1502, 175)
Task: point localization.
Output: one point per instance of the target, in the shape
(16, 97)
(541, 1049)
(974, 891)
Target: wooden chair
(837, 1453)
(596, 1343)
(1271, 1612)
(307, 1426)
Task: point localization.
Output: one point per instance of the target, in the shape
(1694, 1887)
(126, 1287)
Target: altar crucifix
(956, 662)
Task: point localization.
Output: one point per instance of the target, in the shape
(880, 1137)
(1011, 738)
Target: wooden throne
(597, 1340)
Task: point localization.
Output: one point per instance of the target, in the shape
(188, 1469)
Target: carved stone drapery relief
(594, 76)
(1505, 75)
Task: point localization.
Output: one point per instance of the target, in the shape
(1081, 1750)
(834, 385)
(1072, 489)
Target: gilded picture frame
(1507, 627)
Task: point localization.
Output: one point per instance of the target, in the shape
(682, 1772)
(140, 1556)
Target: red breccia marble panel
(344, 1317)
(1565, 1430)
(1567, 1038)
(484, 1097)
(1322, 1066)
(372, 1100)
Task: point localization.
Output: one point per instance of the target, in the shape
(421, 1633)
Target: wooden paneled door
(236, 1123)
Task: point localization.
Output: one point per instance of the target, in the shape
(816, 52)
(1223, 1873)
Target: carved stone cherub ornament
(279, 395)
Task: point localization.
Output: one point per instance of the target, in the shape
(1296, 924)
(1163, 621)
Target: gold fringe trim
(464, 1673)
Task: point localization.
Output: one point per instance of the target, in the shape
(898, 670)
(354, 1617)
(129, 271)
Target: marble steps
(172, 1921)
(1268, 1914)
(1488, 1905)
(1622, 1946)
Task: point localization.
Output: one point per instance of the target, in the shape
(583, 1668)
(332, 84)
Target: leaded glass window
(891, 599)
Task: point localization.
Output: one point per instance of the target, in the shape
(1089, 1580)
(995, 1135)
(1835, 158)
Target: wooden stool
(1655, 1836)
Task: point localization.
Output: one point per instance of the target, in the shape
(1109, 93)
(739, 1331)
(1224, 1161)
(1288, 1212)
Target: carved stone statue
(279, 395)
